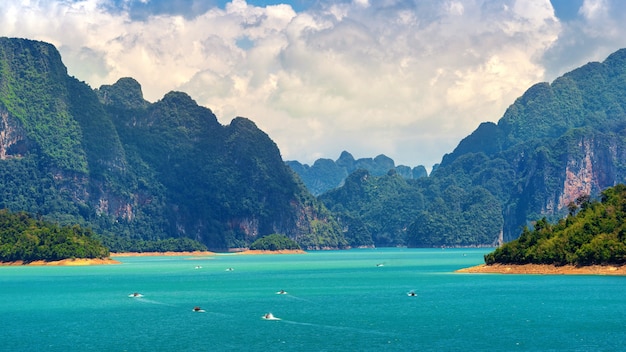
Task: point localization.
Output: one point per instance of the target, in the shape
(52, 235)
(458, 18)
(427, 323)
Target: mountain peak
(126, 92)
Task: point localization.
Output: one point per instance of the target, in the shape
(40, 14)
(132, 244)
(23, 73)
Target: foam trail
(334, 327)
(145, 300)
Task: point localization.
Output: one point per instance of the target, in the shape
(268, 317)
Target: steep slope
(137, 171)
(556, 143)
(223, 185)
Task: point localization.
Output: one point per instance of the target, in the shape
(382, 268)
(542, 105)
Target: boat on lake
(269, 316)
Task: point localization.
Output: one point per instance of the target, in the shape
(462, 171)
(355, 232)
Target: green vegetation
(27, 239)
(183, 244)
(596, 234)
(374, 210)
(167, 175)
(326, 174)
(274, 242)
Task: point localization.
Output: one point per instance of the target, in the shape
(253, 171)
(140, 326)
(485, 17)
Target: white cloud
(407, 79)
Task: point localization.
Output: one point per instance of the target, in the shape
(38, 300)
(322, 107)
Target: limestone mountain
(326, 174)
(141, 172)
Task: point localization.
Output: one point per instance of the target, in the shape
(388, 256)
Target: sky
(404, 78)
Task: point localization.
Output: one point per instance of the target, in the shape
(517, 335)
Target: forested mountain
(554, 144)
(137, 171)
(326, 174)
(168, 175)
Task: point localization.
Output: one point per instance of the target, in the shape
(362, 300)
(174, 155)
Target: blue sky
(404, 78)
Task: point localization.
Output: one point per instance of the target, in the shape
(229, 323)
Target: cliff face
(13, 142)
(556, 143)
(137, 170)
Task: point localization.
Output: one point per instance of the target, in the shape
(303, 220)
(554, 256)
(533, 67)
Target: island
(26, 240)
(590, 240)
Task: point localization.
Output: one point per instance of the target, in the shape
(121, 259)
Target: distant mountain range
(326, 174)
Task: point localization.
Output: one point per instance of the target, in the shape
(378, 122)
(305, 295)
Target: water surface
(336, 301)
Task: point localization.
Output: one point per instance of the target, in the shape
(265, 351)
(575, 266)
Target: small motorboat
(380, 264)
(198, 266)
(412, 294)
(230, 269)
(281, 292)
(135, 295)
(198, 309)
(269, 316)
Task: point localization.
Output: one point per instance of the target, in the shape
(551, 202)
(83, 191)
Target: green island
(594, 233)
(274, 242)
(28, 239)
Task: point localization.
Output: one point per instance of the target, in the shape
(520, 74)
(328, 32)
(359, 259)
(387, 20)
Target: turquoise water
(336, 301)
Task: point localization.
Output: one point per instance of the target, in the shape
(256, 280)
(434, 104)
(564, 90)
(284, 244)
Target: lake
(353, 300)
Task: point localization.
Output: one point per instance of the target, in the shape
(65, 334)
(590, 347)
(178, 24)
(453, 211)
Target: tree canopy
(274, 242)
(24, 238)
(593, 233)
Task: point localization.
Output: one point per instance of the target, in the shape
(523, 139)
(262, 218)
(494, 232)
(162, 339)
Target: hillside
(141, 173)
(554, 144)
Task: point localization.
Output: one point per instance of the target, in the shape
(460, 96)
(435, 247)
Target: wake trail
(340, 328)
(151, 301)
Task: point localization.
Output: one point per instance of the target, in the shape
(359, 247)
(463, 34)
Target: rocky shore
(538, 269)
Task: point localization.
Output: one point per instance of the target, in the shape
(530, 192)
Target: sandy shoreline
(162, 254)
(537, 269)
(282, 251)
(64, 262)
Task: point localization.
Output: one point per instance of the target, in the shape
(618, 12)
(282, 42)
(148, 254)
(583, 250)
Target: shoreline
(545, 269)
(206, 253)
(64, 262)
(280, 251)
(162, 254)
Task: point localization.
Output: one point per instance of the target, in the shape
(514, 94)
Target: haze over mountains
(140, 172)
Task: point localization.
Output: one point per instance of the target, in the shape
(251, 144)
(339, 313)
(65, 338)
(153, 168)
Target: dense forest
(594, 232)
(28, 239)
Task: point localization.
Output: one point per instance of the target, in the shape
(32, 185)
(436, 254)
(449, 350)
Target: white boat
(412, 294)
(380, 264)
(198, 309)
(281, 292)
(135, 295)
(269, 316)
